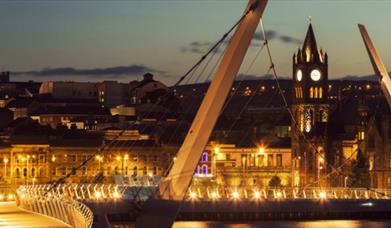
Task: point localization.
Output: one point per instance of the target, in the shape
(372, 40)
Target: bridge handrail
(62, 207)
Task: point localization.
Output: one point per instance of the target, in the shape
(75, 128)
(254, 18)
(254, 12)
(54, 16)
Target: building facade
(231, 166)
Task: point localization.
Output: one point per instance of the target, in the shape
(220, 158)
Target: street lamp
(216, 152)
(99, 158)
(261, 150)
(320, 167)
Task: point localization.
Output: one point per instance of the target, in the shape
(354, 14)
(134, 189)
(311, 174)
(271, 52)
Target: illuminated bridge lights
(214, 195)
(102, 192)
(235, 195)
(193, 196)
(322, 195)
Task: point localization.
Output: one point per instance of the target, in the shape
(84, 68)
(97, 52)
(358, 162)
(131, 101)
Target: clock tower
(311, 110)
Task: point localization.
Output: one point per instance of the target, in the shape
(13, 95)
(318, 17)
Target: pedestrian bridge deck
(13, 216)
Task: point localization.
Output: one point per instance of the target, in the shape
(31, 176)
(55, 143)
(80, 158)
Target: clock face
(299, 75)
(315, 75)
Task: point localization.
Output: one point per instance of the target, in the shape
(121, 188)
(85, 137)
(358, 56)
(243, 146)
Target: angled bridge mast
(378, 65)
(161, 209)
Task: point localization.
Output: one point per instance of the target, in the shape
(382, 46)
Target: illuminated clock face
(299, 75)
(315, 75)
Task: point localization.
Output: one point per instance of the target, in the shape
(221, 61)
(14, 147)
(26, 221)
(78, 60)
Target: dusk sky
(166, 37)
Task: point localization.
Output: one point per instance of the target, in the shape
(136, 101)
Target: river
(288, 224)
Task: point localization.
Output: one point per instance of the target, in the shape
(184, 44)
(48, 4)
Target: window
(42, 158)
(41, 172)
(261, 160)
(270, 160)
(155, 170)
(24, 172)
(33, 172)
(279, 160)
(204, 157)
(320, 92)
(316, 92)
(244, 160)
(135, 171)
(17, 173)
(311, 92)
(145, 171)
(204, 169)
(72, 158)
(84, 171)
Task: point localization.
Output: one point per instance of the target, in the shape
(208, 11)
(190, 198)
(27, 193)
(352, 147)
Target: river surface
(289, 224)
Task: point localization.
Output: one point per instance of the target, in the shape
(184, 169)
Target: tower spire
(309, 44)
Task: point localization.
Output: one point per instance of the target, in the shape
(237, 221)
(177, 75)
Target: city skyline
(99, 41)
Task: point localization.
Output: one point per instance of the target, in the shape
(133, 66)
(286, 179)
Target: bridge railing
(62, 207)
(316, 193)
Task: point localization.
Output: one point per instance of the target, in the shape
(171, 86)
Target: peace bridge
(100, 205)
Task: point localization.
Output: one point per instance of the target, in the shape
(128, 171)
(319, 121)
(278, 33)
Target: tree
(275, 182)
(359, 177)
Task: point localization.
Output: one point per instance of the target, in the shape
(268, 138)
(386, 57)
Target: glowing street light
(98, 195)
(322, 195)
(257, 195)
(261, 150)
(193, 195)
(214, 195)
(99, 158)
(10, 197)
(278, 195)
(116, 195)
(235, 195)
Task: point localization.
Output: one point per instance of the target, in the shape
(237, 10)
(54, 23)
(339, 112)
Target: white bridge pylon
(174, 187)
(378, 65)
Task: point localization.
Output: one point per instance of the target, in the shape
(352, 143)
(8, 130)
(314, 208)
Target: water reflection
(288, 224)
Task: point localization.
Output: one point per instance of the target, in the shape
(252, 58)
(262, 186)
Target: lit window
(204, 169)
(311, 92)
(320, 92)
(204, 157)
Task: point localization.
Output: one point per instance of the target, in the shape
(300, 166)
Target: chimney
(5, 77)
(148, 77)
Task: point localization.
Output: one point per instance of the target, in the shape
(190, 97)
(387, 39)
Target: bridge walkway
(13, 216)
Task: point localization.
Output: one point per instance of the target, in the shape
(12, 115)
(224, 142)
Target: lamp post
(99, 158)
(126, 157)
(320, 167)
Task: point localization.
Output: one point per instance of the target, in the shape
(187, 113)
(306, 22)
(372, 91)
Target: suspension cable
(104, 146)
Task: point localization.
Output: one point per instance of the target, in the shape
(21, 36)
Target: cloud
(110, 72)
(199, 47)
(289, 39)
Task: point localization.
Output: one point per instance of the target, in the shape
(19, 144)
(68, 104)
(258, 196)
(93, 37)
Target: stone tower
(311, 111)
